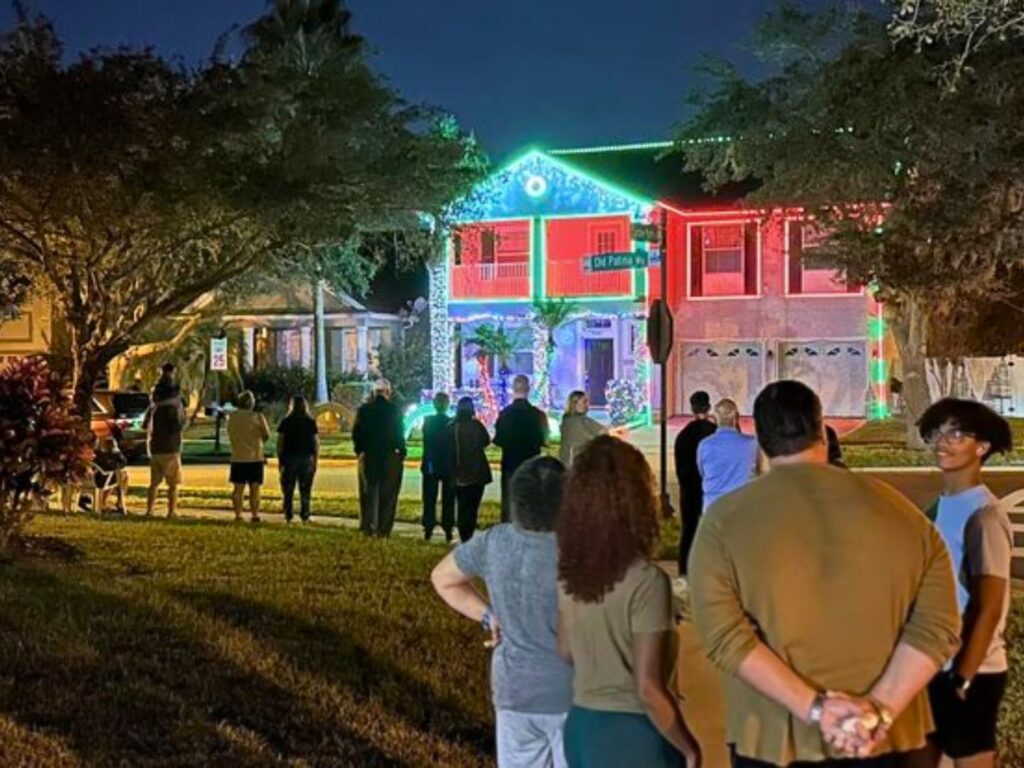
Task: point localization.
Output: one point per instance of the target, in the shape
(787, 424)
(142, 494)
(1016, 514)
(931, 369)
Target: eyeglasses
(950, 436)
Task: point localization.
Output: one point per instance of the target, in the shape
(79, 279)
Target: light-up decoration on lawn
(414, 416)
(536, 186)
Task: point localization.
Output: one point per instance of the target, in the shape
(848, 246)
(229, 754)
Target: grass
(883, 444)
(151, 643)
(184, 644)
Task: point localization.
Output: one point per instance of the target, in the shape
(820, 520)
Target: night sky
(553, 73)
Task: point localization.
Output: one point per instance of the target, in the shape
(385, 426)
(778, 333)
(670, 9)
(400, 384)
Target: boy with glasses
(966, 696)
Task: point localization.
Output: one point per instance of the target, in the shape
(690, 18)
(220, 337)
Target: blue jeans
(298, 470)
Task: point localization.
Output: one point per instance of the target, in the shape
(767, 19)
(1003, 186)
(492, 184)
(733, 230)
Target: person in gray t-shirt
(518, 563)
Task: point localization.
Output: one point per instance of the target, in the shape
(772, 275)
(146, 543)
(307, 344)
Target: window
(604, 239)
(457, 248)
(488, 246)
(811, 268)
(723, 259)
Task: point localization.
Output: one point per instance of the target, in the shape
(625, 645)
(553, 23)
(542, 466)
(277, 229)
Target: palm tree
(499, 344)
(548, 316)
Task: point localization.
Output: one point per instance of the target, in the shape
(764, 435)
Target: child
(966, 696)
(110, 473)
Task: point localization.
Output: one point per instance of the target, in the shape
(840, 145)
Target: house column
(441, 352)
(362, 350)
(249, 348)
(306, 347)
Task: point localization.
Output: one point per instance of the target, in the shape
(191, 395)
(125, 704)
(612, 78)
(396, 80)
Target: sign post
(218, 363)
(659, 342)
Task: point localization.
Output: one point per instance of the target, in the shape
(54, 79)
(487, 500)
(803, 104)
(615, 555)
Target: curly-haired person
(615, 616)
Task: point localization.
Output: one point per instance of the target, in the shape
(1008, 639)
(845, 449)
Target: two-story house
(751, 302)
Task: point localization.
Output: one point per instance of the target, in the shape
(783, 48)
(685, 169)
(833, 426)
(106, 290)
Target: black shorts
(966, 728)
(246, 473)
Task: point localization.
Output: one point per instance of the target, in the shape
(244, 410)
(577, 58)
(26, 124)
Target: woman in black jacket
(471, 470)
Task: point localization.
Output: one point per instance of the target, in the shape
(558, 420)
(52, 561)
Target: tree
(406, 363)
(548, 316)
(14, 286)
(42, 442)
(498, 344)
(923, 194)
(963, 26)
(130, 188)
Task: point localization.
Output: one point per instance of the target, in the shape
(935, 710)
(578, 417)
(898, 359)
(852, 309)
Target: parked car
(120, 415)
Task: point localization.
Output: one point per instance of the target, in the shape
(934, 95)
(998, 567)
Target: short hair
(727, 413)
(521, 384)
(787, 416)
(382, 385)
(246, 400)
(441, 402)
(536, 493)
(700, 402)
(465, 409)
(971, 416)
(167, 368)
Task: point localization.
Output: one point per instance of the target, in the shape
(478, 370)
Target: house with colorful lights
(751, 302)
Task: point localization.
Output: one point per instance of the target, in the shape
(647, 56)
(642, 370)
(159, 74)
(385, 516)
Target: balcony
(505, 280)
(568, 278)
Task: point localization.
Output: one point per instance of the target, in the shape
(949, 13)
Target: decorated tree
(43, 442)
(498, 344)
(130, 188)
(548, 316)
(921, 189)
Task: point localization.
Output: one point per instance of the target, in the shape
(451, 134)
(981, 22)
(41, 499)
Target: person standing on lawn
(471, 470)
(247, 433)
(616, 625)
(578, 428)
(688, 474)
(436, 467)
(967, 694)
(813, 580)
(531, 685)
(298, 447)
(378, 437)
(727, 460)
(164, 422)
(521, 431)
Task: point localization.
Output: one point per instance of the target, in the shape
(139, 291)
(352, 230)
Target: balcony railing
(568, 278)
(509, 280)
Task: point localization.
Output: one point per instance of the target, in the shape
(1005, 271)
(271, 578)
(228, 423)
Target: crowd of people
(852, 629)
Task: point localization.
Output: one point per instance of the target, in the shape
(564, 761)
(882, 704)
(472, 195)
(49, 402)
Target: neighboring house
(751, 303)
(28, 333)
(277, 329)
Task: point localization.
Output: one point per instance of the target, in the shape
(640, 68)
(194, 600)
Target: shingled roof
(654, 170)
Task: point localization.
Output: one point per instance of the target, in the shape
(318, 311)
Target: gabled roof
(294, 299)
(652, 169)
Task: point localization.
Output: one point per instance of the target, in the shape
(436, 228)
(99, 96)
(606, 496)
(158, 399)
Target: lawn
(149, 643)
(882, 444)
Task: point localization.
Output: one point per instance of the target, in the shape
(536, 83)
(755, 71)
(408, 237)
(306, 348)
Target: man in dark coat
(690, 489)
(378, 437)
(436, 468)
(521, 431)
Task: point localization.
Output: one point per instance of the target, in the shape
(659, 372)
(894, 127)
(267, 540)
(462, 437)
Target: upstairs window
(604, 239)
(723, 260)
(810, 270)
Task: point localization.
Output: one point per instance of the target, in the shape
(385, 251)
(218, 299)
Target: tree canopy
(129, 187)
(922, 188)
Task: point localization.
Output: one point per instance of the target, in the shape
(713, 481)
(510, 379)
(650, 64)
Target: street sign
(659, 332)
(609, 262)
(218, 354)
(645, 233)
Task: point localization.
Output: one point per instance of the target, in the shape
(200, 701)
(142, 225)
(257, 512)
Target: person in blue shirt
(727, 459)
(967, 695)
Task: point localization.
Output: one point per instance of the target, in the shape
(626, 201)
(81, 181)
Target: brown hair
(608, 520)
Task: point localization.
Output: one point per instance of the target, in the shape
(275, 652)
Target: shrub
(407, 364)
(42, 442)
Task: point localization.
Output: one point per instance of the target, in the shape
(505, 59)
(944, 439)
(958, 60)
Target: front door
(600, 364)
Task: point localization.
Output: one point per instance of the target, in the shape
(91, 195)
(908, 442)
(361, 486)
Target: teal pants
(616, 740)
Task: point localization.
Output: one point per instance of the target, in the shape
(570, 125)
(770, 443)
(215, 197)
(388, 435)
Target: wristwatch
(485, 620)
(960, 683)
(817, 708)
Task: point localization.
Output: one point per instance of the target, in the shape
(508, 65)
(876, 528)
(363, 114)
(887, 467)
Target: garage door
(837, 371)
(724, 369)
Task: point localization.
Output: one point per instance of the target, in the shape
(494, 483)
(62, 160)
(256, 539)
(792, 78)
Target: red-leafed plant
(43, 443)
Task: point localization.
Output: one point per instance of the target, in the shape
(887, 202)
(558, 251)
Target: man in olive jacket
(378, 437)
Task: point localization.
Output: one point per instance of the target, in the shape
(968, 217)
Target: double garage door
(837, 371)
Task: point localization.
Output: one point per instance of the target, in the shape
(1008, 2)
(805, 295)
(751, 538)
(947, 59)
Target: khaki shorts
(165, 467)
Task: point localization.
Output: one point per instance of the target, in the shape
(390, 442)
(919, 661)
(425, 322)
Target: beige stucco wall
(29, 333)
